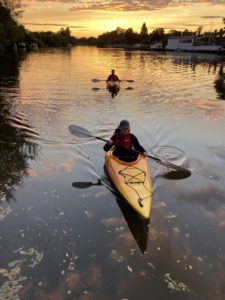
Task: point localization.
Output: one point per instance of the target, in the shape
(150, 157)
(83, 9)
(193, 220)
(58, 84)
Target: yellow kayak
(133, 182)
(113, 85)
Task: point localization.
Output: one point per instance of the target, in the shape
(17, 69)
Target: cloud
(120, 5)
(129, 5)
(133, 5)
(55, 25)
(212, 17)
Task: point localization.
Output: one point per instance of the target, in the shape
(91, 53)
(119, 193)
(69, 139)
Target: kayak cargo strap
(138, 178)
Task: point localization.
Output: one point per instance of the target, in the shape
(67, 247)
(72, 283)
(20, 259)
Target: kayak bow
(133, 181)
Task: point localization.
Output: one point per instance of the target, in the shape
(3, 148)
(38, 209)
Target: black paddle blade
(170, 165)
(176, 175)
(85, 185)
(79, 131)
(82, 185)
(175, 167)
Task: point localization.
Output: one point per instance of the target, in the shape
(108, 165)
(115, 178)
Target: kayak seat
(127, 158)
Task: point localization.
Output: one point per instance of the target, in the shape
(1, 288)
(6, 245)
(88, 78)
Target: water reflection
(139, 228)
(220, 83)
(85, 185)
(211, 62)
(88, 244)
(113, 90)
(176, 175)
(17, 145)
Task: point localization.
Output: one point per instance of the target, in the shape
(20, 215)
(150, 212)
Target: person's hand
(110, 142)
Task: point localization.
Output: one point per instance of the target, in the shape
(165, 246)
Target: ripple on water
(174, 156)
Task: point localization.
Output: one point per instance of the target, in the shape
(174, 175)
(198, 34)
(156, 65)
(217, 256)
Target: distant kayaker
(113, 77)
(122, 137)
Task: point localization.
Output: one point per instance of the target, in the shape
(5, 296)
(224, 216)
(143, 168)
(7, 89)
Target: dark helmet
(124, 124)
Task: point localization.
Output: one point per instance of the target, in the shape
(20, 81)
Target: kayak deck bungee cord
(133, 181)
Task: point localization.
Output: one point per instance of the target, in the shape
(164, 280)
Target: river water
(63, 235)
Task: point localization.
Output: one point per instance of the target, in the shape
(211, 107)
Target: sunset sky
(93, 17)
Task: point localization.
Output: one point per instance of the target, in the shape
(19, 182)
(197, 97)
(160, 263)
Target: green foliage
(144, 30)
(118, 37)
(50, 39)
(13, 6)
(129, 37)
(144, 38)
(10, 31)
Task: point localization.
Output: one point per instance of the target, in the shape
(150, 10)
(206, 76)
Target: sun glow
(95, 20)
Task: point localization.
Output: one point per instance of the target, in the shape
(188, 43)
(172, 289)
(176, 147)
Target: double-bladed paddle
(98, 80)
(82, 132)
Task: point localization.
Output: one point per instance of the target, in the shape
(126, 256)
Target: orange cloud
(86, 17)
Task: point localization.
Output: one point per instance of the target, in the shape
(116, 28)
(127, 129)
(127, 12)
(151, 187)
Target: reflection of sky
(90, 18)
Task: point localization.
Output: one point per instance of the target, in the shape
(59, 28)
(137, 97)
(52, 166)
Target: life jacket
(113, 78)
(123, 140)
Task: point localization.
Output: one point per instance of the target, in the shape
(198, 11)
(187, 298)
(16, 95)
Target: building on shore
(194, 44)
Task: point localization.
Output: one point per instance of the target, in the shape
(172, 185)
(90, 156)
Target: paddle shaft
(133, 150)
(77, 130)
(165, 163)
(127, 80)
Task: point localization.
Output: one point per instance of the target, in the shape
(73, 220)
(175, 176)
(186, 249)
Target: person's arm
(136, 144)
(109, 78)
(109, 145)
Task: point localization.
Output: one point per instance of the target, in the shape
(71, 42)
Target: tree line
(130, 37)
(11, 33)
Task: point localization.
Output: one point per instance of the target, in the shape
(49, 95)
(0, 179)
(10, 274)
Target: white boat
(194, 44)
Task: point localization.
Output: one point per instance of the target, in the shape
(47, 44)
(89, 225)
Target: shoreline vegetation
(14, 35)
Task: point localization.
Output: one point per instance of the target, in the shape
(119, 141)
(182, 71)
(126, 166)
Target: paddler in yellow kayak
(122, 139)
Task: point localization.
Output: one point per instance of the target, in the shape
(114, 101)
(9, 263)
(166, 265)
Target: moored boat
(133, 181)
(195, 44)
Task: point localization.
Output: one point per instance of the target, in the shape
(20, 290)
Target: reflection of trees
(220, 83)
(211, 62)
(16, 144)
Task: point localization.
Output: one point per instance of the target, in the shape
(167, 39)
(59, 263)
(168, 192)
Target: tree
(144, 30)
(130, 36)
(199, 30)
(187, 32)
(144, 34)
(14, 7)
(221, 32)
(10, 31)
(158, 34)
(174, 32)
